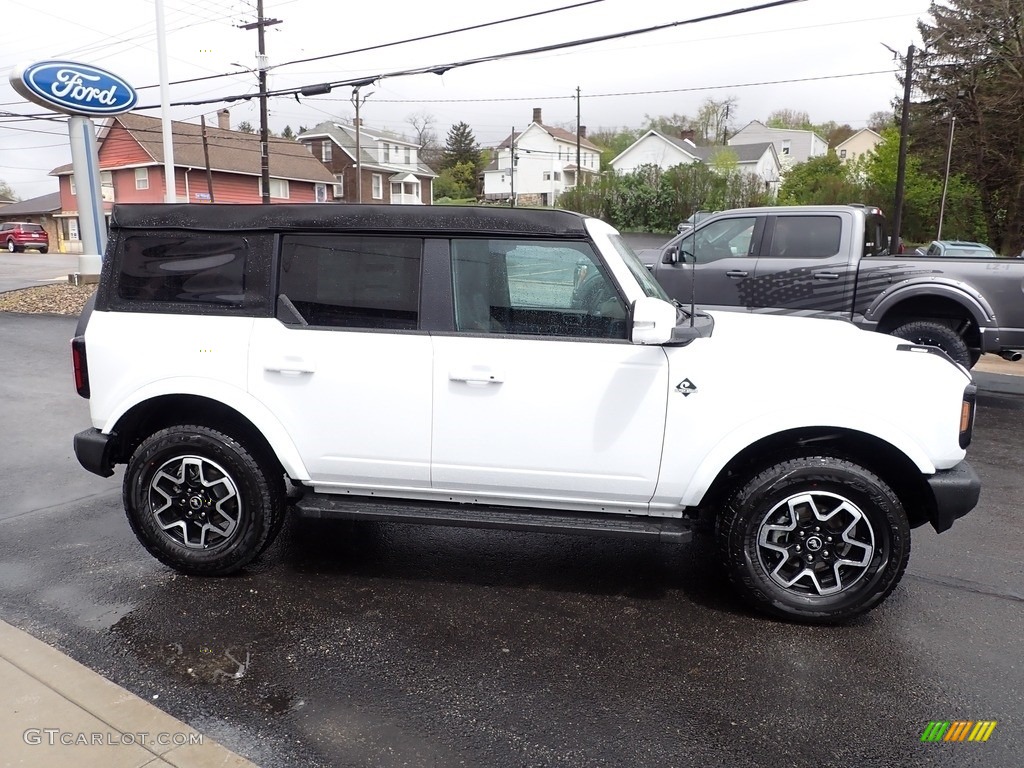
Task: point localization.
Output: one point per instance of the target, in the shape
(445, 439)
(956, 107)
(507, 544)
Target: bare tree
(713, 119)
(423, 124)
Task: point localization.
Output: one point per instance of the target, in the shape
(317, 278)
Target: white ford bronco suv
(500, 368)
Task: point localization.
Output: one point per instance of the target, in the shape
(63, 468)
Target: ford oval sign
(77, 89)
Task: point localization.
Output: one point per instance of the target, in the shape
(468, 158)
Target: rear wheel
(11, 247)
(818, 539)
(934, 334)
(43, 250)
(200, 501)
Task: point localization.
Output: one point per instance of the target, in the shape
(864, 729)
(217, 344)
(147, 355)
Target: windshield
(640, 272)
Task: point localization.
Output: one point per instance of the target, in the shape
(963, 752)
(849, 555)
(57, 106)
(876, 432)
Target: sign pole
(86, 164)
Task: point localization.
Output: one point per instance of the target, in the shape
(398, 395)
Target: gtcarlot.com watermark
(56, 736)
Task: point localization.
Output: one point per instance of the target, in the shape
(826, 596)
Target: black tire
(784, 558)
(11, 247)
(43, 250)
(201, 502)
(934, 334)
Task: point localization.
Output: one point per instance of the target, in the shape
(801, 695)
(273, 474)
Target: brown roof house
(131, 160)
(389, 164)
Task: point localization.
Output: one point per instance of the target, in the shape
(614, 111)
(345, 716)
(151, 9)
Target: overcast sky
(621, 81)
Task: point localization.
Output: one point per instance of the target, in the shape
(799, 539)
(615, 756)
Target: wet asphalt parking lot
(386, 645)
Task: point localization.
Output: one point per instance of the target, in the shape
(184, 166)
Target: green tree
(460, 147)
(819, 181)
(7, 191)
(971, 69)
(245, 127)
(287, 133)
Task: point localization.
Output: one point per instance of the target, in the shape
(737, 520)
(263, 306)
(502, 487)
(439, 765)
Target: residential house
(390, 166)
(540, 163)
(660, 149)
(131, 159)
(39, 210)
(791, 145)
(664, 151)
(858, 145)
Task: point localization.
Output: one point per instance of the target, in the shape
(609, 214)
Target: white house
(656, 148)
(791, 145)
(858, 145)
(540, 162)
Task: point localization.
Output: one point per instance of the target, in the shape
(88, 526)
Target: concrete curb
(59, 713)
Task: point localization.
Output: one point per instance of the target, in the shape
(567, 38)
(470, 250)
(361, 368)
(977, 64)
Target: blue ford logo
(77, 89)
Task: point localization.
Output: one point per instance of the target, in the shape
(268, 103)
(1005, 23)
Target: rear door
(805, 266)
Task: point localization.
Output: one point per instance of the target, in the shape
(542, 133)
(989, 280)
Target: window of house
(142, 178)
(278, 188)
(351, 281)
(107, 186)
(786, 144)
(408, 155)
(339, 185)
(806, 237)
(547, 175)
(378, 186)
(534, 288)
(842, 153)
(71, 179)
(325, 151)
(558, 175)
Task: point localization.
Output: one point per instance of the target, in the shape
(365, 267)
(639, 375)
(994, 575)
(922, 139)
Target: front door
(538, 396)
(714, 262)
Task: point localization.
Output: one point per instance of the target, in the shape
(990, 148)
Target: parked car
(960, 249)
(834, 261)
(500, 368)
(19, 235)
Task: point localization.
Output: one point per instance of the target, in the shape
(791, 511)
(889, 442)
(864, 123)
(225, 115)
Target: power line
(440, 69)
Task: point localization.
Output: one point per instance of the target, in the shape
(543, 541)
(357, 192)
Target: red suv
(19, 235)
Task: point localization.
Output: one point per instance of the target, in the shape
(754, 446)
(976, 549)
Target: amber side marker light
(967, 415)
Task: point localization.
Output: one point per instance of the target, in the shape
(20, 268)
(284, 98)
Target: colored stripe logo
(958, 730)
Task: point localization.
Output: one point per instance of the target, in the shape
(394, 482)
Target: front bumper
(955, 492)
(96, 451)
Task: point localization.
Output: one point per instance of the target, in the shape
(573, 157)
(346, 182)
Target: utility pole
(579, 169)
(357, 100)
(901, 166)
(512, 167)
(206, 158)
(261, 67)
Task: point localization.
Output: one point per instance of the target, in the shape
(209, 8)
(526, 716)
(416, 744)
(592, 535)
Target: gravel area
(55, 299)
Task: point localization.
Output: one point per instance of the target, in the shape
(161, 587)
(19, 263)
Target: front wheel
(11, 247)
(200, 501)
(817, 539)
(935, 334)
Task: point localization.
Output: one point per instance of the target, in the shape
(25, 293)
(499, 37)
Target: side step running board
(337, 507)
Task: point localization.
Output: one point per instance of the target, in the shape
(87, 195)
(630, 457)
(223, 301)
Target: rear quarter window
(183, 269)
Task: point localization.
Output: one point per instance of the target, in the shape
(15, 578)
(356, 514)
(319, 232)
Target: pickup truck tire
(200, 501)
(935, 334)
(818, 539)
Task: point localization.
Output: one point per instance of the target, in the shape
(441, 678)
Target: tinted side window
(351, 281)
(183, 268)
(540, 288)
(721, 239)
(806, 237)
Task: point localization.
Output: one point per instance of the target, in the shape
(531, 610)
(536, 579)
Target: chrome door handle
(826, 276)
(736, 273)
(481, 375)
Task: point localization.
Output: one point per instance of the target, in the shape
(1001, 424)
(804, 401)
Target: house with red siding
(131, 161)
(389, 164)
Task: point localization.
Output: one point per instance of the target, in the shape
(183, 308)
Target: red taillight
(78, 360)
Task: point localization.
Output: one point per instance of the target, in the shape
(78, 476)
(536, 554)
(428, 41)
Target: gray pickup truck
(834, 261)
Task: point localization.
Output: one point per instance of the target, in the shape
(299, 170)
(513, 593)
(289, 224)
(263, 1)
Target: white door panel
(548, 419)
(352, 429)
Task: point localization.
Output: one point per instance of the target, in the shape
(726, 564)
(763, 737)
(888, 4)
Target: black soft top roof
(321, 217)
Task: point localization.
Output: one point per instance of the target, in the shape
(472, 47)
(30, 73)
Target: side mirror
(670, 256)
(652, 321)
